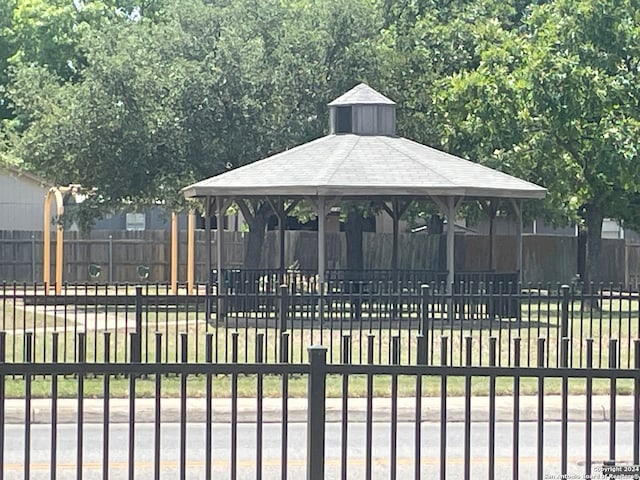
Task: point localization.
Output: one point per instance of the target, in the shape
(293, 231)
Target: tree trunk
(353, 226)
(594, 214)
(256, 236)
(257, 220)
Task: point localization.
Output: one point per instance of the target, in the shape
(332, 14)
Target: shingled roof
(351, 165)
(362, 94)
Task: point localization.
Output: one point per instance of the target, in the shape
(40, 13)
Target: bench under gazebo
(362, 158)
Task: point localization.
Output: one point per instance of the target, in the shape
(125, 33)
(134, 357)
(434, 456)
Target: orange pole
(46, 239)
(174, 252)
(191, 246)
(59, 259)
(59, 241)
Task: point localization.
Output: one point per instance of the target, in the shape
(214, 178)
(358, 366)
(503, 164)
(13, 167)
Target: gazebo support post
(396, 235)
(278, 209)
(281, 225)
(208, 207)
(220, 210)
(451, 244)
(207, 226)
(449, 206)
(191, 246)
(517, 208)
(322, 217)
(490, 209)
(174, 253)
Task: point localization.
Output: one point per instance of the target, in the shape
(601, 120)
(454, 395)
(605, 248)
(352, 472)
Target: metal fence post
(284, 347)
(421, 349)
(395, 349)
(564, 314)
(424, 310)
(636, 403)
(283, 307)
(136, 339)
(3, 339)
(134, 342)
(613, 364)
(316, 412)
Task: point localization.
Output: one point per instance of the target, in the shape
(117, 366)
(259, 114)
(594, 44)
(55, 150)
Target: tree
(160, 103)
(556, 102)
(144, 99)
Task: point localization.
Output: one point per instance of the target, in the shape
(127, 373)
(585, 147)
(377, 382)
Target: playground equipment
(59, 194)
(191, 230)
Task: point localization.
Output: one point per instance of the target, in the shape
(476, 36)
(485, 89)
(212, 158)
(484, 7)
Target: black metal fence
(381, 431)
(291, 317)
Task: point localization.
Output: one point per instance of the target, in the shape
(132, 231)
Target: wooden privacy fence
(118, 255)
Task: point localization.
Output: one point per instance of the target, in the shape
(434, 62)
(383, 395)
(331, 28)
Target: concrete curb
(14, 409)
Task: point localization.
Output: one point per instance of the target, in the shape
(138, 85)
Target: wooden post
(282, 217)
(220, 237)
(207, 227)
(46, 238)
(452, 207)
(53, 193)
(174, 253)
(322, 262)
(220, 209)
(59, 252)
(191, 246)
(517, 207)
(322, 216)
(396, 233)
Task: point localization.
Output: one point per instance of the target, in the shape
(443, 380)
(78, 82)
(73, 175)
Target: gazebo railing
(242, 281)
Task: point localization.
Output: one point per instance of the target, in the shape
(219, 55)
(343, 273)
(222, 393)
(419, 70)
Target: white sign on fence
(135, 222)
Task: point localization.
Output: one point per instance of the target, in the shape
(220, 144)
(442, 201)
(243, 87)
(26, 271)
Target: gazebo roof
(349, 165)
(364, 164)
(361, 94)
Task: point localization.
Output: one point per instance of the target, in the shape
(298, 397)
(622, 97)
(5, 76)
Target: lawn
(168, 327)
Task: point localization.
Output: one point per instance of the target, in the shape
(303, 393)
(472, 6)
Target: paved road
(40, 453)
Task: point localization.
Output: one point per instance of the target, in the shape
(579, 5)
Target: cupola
(362, 111)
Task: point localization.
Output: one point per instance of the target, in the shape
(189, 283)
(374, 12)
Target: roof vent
(362, 111)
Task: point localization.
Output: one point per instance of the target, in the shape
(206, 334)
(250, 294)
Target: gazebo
(362, 158)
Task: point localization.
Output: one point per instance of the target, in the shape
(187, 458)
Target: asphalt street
(271, 450)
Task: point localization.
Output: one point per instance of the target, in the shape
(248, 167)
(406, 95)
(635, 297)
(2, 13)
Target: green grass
(539, 320)
(617, 318)
(297, 386)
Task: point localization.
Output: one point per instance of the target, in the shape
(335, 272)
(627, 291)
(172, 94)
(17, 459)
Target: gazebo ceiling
(349, 165)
